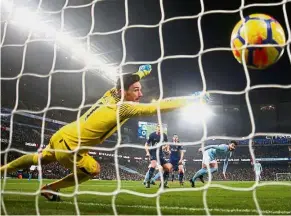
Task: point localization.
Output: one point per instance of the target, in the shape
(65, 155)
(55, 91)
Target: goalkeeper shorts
(84, 162)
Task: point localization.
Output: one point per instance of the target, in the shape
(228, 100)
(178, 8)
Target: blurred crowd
(27, 135)
(29, 139)
(235, 172)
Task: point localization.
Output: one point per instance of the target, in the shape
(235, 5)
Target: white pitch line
(182, 208)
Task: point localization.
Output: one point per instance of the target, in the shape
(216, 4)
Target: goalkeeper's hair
(128, 80)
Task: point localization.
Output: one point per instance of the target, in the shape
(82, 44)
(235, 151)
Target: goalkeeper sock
(68, 181)
(199, 173)
(20, 163)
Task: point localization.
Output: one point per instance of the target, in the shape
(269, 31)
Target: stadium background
(271, 107)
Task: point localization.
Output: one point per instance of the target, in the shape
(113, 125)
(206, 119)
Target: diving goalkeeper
(93, 127)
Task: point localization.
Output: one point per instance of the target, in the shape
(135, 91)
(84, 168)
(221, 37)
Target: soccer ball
(258, 29)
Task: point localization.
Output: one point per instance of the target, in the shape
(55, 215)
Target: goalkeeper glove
(144, 70)
(205, 97)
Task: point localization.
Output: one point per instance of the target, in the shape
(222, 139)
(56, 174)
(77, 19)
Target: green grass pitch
(273, 199)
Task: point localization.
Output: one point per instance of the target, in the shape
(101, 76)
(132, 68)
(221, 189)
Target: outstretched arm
(146, 146)
(225, 164)
(131, 109)
(135, 109)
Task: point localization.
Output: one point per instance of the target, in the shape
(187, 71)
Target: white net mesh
(32, 19)
(283, 176)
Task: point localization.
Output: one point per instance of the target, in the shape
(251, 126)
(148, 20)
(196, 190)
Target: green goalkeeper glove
(144, 70)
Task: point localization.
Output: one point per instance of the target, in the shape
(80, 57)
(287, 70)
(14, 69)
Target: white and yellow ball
(258, 29)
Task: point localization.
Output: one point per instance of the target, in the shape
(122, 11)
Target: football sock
(199, 173)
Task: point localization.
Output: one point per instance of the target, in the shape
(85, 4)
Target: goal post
(283, 176)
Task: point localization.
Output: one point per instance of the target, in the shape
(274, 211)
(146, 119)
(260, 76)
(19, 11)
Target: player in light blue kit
(211, 153)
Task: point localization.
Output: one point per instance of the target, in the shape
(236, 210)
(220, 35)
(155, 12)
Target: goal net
(59, 56)
(283, 176)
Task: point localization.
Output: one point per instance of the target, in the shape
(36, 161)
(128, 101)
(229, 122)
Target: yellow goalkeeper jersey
(100, 121)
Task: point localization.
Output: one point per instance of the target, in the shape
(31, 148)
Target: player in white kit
(258, 170)
(32, 169)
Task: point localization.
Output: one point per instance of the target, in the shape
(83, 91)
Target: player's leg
(151, 169)
(68, 181)
(181, 174)
(158, 175)
(199, 174)
(258, 176)
(151, 172)
(25, 161)
(173, 176)
(203, 171)
(213, 168)
(167, 167)
(87, 168)
(175, 168)
(19, 163)
(29, 176)
(146, 177)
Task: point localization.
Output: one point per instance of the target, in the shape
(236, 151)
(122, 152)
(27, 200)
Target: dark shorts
(175, 164)
(153, 156)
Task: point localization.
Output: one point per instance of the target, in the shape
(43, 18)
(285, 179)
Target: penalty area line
(182, 208)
